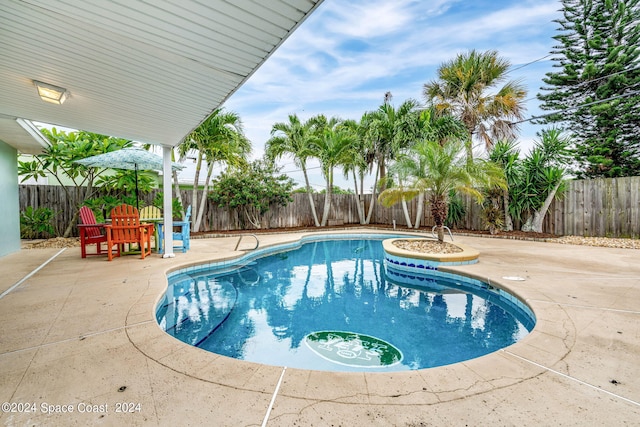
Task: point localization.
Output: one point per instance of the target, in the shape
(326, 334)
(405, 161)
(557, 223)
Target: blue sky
(347, 54)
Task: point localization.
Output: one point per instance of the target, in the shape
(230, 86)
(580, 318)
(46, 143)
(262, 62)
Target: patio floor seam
(25, 278)
(569, 377)
(273, 398)
(78, 338)
(591, 307)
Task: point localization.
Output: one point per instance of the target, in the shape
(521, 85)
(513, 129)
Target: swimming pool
(333, 304)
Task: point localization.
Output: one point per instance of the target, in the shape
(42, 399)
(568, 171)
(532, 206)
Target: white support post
(167, 202)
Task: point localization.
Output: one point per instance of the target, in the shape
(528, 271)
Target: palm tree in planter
(437, 169)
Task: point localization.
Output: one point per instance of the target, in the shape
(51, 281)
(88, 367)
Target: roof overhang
(145, 71)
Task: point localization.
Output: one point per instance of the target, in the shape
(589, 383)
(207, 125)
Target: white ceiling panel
(150, 71)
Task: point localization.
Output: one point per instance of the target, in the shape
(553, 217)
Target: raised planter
(419, 261)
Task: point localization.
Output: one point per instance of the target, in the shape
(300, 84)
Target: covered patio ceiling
(140, 70)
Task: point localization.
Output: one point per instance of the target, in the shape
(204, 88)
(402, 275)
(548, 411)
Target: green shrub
(36, 223)
(176, 206)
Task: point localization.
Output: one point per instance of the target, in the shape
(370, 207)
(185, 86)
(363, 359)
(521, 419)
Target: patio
(80, 335)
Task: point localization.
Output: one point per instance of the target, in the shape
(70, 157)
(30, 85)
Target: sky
(344, 57)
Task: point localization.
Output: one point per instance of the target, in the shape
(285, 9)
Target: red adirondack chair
(125, 228)
(90, 232)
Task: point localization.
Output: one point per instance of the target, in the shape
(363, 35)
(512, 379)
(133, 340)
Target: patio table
(156, 223)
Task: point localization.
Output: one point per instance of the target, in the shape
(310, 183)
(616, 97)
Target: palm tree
(370, 156)
(439, 127)
(219, 138)
(331, 148)
(390, 129)
(436, 127)
(387, 130)
(438, 169)
(294, 138)
(462, 90)
(357, 164)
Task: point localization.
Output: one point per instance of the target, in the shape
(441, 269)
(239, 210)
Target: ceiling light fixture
(51, 93)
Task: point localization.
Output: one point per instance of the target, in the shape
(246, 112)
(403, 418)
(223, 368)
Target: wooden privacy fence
(599, 207)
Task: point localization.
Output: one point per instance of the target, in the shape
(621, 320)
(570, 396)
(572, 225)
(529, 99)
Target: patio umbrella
(128, 158)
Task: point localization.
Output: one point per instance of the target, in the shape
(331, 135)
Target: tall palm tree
(370, 156)
(356, 163)
(438, 169)
(440, 127)
(390, 129)
(294, 138)
(219, 139)
(387, 130)
(331, 148)
(467, 89)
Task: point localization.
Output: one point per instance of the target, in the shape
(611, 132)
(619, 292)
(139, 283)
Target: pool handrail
(252, 249)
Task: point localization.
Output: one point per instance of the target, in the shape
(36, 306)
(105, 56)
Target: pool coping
(517, 306)
(148, 345)
(95, 331)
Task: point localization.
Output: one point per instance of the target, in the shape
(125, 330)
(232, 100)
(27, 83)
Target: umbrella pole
(136, 171)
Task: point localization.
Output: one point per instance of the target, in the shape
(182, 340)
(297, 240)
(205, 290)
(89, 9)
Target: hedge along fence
(64, 206)
(602, 207)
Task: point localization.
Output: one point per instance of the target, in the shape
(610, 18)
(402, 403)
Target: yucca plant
(456, 211)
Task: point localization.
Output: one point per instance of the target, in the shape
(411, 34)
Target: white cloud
(344, 58)
(366, 19)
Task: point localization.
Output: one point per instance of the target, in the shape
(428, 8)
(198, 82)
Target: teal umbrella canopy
(128, 158)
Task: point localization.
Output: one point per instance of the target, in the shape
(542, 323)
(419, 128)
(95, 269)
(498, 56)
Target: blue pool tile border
(410, 268)
(495, 294)
(258, 253)
(417, 264)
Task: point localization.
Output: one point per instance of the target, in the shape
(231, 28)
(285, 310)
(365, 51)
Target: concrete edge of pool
(79, 330)
(352, 346)
(189, 360)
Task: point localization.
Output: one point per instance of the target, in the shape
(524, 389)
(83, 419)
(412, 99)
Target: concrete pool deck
(80, 335)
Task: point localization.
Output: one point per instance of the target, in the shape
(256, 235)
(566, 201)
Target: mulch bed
(59, 242)
(516, 234)
(427, 246)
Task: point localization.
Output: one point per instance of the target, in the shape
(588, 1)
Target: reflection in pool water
(289, 309)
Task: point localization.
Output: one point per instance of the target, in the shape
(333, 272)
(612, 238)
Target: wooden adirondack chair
(90, 232)
(153, 215)
(125, 228)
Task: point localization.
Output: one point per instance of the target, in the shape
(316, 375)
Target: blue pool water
(334, 305)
